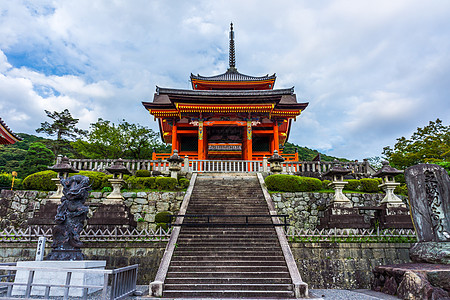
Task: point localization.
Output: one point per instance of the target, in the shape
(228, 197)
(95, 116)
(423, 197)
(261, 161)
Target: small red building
(7, 137)
(227, 116)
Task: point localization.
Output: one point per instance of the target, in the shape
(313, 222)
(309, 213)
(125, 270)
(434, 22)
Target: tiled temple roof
(6, 135)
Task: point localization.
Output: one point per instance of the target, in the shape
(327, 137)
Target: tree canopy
(123, 140)
(63, 126)
(430, 144)
(37, 158)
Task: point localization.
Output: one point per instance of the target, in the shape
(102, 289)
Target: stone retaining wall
(306, 208)
(345, 265)
(16, 207)
(321, 265)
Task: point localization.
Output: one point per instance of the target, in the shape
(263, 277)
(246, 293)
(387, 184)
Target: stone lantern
(275, 163)
(63, 168)
(175, 164)
(337, 173)
(387, 173)
(118, 170)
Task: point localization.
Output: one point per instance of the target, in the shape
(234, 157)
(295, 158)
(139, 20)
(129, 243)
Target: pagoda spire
(232, 51)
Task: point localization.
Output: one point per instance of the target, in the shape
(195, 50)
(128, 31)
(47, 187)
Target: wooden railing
(362, 169)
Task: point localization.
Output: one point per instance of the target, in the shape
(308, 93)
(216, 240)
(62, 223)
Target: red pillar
(201, 141)
(248, 142)
(276, 139)
(174, 136)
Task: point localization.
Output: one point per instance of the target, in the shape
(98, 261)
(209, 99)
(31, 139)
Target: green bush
(445, 165)
(163, 217)
(141, 182)
(325, 184)
(143, 173)
(97, 180)
(164, 226)
(40, 181)
(401, 190)
(183, 183)
(352, 185)
(166, 183)
(291, 183)
(106, 189)
(5, 179)
(369, 185)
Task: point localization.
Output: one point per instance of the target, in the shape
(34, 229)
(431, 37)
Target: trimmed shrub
(166, 183)
(97, 180)
(369, 185)
(141, 182)
(163, 217)
(183, 183)
(40, 181)
(282, 183)
(352, 185)
(142, 173)
(325, 184)
(106, 189)
(6, 179)
(309, 184)
(291, 183)
(164, 226)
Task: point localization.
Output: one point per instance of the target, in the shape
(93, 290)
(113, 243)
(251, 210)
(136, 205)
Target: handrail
(119, 288)
(209, 221)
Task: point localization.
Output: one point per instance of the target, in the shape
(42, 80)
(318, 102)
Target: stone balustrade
(359, 169)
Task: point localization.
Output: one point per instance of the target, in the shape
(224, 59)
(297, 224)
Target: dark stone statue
(70, 218)
(429, 196)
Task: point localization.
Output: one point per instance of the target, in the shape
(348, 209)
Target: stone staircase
(228, 261)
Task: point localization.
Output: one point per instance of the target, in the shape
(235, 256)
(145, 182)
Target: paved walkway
(314, 294)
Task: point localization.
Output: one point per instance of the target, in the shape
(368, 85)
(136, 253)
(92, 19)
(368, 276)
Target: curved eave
(7, 137)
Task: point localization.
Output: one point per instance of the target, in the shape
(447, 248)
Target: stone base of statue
(395, 216)
(431, 252)
(342, 215)
(59, 277)
(413, 281)
(65, 254)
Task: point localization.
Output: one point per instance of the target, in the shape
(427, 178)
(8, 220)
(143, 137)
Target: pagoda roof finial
(232, 50)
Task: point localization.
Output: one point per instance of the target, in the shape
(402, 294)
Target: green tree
(430, 144)
(38, 158)
(63, 126)
(125, 140)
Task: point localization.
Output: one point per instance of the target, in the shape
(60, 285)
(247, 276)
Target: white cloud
(372, 71)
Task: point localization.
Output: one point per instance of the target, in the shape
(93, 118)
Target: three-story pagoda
(227, 116)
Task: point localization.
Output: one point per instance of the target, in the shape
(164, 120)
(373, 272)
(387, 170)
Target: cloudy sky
(372, 71)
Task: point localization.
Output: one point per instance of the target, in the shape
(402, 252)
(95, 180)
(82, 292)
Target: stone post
(338, 185)
(265, 167)
(186, 164)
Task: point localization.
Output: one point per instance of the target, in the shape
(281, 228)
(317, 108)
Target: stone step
(228, 294)
(224, 280)
(220, 262)
(219, 244)
(249, 258)
(226, 239)
(227, 248)
(227, 252)
(220, 274)
(228, 268)
(230, 286)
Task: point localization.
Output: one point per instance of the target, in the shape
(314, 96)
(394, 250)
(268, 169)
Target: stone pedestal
(116, 196)
(340, 215)
(339, 197)
(59, 277)
(59, 190)
(395, 215)
(391, 199)
(112, 215)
